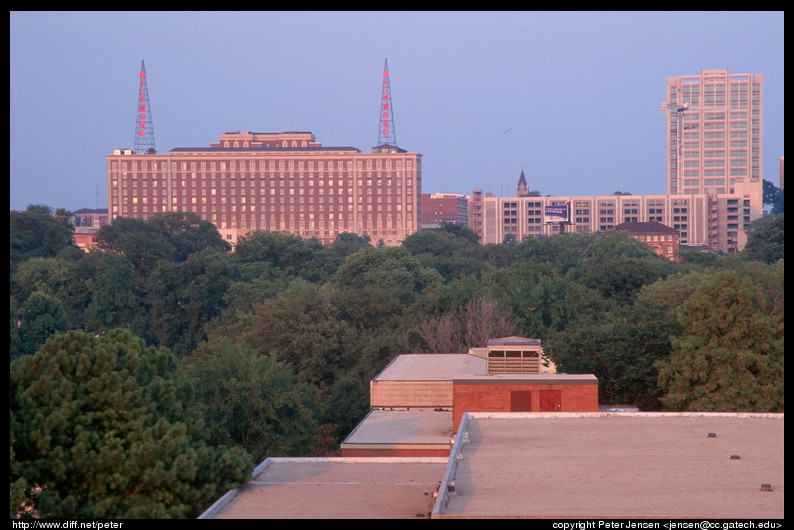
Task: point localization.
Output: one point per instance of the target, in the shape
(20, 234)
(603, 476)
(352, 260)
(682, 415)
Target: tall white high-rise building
(715, 135)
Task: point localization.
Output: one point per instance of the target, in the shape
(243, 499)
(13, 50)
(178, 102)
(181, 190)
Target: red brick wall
(395, 452)
(496, 398)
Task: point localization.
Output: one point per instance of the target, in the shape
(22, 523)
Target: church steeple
(522, 188)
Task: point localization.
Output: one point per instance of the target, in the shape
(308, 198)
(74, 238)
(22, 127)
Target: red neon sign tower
(144, 133)
(386, 134)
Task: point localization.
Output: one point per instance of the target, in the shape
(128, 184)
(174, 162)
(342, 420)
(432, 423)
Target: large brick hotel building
(274, 181)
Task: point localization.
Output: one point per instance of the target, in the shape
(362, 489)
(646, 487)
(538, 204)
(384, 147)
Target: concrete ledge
(625, 414)
(447, 486)
(213, 510)
(526, 379)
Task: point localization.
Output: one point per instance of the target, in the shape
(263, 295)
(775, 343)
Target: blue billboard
(556, 213)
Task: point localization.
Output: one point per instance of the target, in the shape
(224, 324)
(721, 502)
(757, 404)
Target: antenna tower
(386, 134)
(144, 133)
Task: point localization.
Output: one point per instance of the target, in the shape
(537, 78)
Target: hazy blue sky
(570, 97)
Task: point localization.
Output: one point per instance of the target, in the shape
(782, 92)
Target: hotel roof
(270, 149)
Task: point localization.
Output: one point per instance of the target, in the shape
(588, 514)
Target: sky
(571, 98)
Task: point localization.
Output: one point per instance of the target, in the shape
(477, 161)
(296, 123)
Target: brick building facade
(418, 400)
(524, 393)
(285, 182)
(444, 208)
(661, 239)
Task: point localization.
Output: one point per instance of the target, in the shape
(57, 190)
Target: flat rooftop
(618, 465)
(431, 367)
(404, 428)
(336, 488)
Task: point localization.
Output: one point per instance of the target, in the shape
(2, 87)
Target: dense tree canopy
(38, 232)
(185, 296)
(765, 239)
(40, 316)
(773, 196)
(298, 257)
(281, 337)
(254, 401)
(170, 236)
(730, 353)
(101, 427)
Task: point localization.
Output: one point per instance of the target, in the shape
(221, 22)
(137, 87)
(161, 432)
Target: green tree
(184, 297)
(460, 231)
(55, 277)
(563, 252)
(389, 267)
(698, 257)
(616, 244)
(38, 232)
(729, 356)
(48, 275)
(253, 401)
(620, 279)
(187, 233)
(773, 196)
(308, 259)
(671, 292)
(170, 236)
(348, 243)
(114, 294)
(347, 404)
(452, 250)
(301, 326)
(257, 283)
(621, 348)
(139, 242)
(374, 319)
(440, 242)
(101, 427)
(545, 302)
(495, 255)
(765, 239)
(39, 318)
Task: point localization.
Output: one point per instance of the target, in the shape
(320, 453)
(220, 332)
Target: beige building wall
(717, 221)
(401, 394)
(718, 150)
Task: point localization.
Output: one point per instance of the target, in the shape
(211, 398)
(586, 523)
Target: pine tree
(730, 354)
(101, 427)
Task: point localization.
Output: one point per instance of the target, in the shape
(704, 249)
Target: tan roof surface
(416, 426)
(431, 367)
(339, 488)
(621, 464)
